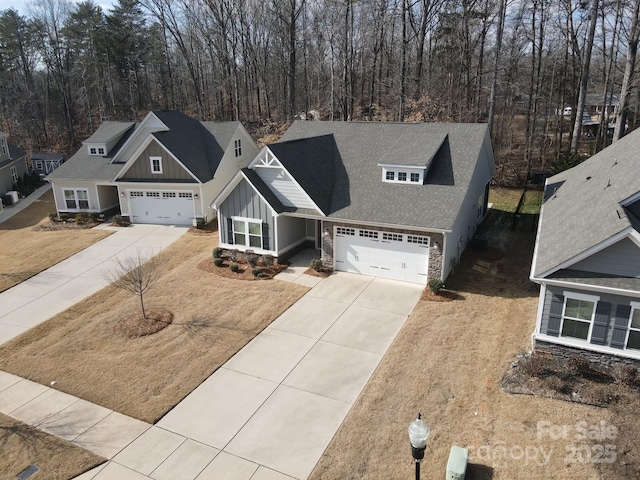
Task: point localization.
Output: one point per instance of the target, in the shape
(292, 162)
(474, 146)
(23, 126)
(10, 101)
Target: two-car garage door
(162, 207)
(382, 254)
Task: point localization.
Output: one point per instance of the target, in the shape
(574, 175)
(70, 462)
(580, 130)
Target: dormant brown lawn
(26, 252)
(145, 377)
(448, 362)
(23, 446)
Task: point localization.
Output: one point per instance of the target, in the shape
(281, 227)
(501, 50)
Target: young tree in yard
(136, 274)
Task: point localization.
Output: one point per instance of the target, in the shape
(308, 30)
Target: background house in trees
(45, 163)
(165, 169)
(13, 164)
(395, 200)
(587, 256)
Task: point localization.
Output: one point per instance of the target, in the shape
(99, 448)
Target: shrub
(200, 223)
(316, 264)
(118, 220)
(64, 217)
(252, 259)
(257, 272)
(435, 285)
(234, 267)
(53, 217)
(580, 365)
(218, 262)
(534, 366)
(94, 216)
(217, 252)
(79, 219)
(267, 260)
(234, 255)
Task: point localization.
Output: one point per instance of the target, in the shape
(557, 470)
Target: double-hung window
(633, 337)
(76, 199)
(156, 165)
(237, 145)
(247, 232)
(577, 317)
(14, 175)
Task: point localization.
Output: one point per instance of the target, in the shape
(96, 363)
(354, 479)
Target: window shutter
(600, 323)
(555, 315)
(265, 236)
(620, 326)
(229, 231)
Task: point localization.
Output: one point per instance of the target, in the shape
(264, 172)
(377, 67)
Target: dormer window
(403, 174)
(4, 146)
(156, 165)
(237, 145)
(97, 151)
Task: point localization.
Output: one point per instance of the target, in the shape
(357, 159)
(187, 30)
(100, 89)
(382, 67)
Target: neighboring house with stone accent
(587, 257)
(165, 169)
(13, 164)
(394, 200)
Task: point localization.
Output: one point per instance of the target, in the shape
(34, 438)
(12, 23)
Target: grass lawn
(23, 446)
(26, 252)
(145, 377)
(506, 200)
(448, 363)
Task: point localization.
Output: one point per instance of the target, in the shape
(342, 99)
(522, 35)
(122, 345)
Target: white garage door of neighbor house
(382, 254)
(167, 208)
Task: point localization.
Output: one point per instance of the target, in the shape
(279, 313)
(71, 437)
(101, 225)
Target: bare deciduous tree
(136, 274)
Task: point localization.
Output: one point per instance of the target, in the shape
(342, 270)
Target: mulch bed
(244, 271)
(57, 226)
(136, 325)
(441, 296)
(324, 273)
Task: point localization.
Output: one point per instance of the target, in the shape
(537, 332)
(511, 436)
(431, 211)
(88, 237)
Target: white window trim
(246, 232)
(38, 164)
(101, 151)
(579, 296)
(153, 171)
(76, 199)
(237, 147)
(634, 306)
(14, 174)
(397, 170)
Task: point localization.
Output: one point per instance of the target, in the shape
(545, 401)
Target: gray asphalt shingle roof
(358, 192)
(585, 209)
(198, 145)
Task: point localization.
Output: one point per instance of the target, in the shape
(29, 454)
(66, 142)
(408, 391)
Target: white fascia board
(628, 232)
(378, 224)
(587, 287)
(141, 148)
(259, 156)
(399, 165)
(136, 133)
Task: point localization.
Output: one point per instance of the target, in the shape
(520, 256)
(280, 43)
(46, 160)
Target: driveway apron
(72, 280)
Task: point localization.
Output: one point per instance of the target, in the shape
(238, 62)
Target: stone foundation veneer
(602, 359)
(435, 245)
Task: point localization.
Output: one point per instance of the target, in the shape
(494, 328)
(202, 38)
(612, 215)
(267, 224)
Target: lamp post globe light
(418, 435)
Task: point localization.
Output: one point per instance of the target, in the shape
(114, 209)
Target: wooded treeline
(66, 67)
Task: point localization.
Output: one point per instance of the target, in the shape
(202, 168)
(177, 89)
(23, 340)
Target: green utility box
(457, 464)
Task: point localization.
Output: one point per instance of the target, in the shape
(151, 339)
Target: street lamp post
(418, 434)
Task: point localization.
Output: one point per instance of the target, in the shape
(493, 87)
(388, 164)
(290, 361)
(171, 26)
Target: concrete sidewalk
(61, 286)
(270, 412)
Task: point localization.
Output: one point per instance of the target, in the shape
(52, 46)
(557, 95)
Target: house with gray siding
(165, 169)
(587, 258)
(13, 164)
(395, 200)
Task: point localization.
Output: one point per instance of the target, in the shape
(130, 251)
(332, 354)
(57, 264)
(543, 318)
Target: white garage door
(162, 207)
(382, 254)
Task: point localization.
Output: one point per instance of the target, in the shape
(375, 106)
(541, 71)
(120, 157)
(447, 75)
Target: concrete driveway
(271, 411)
(61, 286)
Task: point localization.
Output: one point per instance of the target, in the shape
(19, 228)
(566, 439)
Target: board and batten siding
(281, 184)
(621, 258)
(171, 170)
(245, 202)
(617, 304)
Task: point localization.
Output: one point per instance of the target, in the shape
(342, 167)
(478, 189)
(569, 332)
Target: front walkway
(267, 414)
(72, 280)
